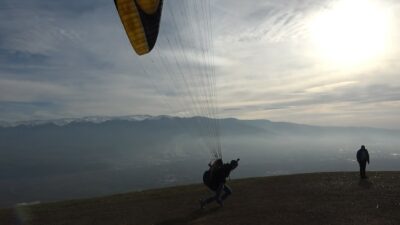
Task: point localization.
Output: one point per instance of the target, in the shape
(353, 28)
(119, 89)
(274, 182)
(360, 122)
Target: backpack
(208, 179)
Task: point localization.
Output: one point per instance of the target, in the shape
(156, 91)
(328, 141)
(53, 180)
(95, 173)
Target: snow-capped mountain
(89, 119)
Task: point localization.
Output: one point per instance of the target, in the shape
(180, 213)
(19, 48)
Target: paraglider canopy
(141, 20)
(181, 69)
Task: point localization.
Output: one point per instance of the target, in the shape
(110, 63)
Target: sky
(320, 62)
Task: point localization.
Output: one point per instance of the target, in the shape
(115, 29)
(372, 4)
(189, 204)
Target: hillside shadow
(189, 218)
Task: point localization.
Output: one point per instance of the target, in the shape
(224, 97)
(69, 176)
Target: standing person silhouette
(362, 158)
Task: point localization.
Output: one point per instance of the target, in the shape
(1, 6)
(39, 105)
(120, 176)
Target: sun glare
(351, 32)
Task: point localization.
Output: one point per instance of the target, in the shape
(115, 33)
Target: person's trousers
(222, 192)
(363, 165)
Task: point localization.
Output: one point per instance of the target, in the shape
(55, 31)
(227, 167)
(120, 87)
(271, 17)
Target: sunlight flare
(351, 32)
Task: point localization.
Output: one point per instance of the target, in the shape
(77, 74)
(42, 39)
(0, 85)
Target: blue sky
(315, 62)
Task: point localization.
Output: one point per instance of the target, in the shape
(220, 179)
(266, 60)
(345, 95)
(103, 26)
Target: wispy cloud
(63, 59)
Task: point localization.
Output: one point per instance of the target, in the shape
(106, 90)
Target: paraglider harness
(210, 176)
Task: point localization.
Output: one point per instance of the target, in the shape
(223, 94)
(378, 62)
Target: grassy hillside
(320, 198)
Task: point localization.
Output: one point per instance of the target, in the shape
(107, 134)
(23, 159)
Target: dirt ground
(318, 198)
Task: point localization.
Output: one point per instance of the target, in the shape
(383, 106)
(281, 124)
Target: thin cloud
(75, 58)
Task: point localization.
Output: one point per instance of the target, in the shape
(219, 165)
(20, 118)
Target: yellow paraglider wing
(141, 20)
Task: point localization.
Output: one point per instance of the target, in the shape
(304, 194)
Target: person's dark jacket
(218, 172)
(362, 155)
(222, 173)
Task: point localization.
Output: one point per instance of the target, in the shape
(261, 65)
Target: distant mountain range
(90, 119)
(226, 123)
